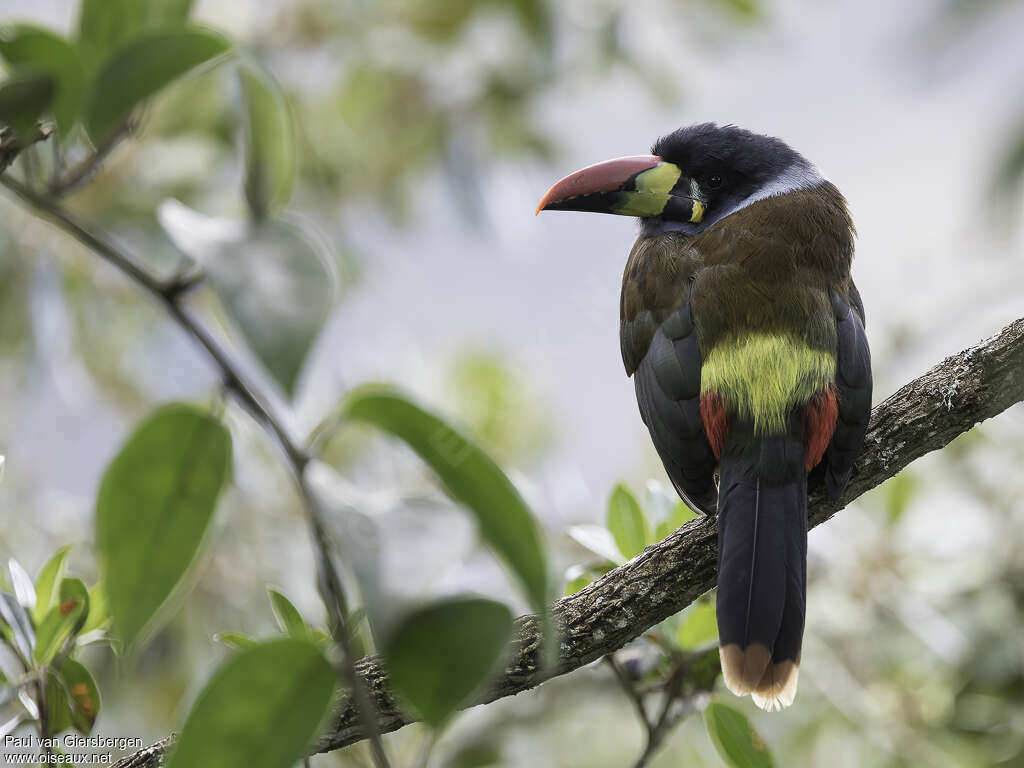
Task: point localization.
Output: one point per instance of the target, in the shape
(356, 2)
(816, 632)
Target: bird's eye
(715, 181)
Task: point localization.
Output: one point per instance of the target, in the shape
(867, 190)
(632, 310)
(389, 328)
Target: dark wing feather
(668, 391)
(853, 380)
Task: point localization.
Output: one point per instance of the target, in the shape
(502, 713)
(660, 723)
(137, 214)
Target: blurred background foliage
(424, 132)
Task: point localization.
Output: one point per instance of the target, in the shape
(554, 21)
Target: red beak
(609, 176)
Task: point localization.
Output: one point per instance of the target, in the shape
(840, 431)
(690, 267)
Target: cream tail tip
(777, 689)
(750, 671)
(743, 668)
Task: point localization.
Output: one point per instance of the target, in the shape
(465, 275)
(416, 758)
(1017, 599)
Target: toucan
(744, 334)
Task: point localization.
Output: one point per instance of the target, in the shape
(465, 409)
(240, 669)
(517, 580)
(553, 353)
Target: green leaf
(579, 576)
(234, 640)
(699, 626)
(99, 609)
(46, 581)
(58, 704)
(260, 709)
(169, 11)
(274, 278)
(288, 617)
(50, 54)
(84, 695)
(681, 515)
(440, 654)
(62, 621)
(470, 477)
(74, 602)
(141, 68)
(626, 522)
(574, 585)
(24, 97)
(269, 142)
(104, 24)
(737, 742)
(154, 505)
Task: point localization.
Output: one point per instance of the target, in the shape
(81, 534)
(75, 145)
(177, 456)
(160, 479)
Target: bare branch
(147, 757)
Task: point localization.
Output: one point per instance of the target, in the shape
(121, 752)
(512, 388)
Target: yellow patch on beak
(653, 189)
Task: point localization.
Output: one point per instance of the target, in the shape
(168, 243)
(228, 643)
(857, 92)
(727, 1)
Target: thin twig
(169, 294)
(657, 730)
(74, 177)
(634, 696)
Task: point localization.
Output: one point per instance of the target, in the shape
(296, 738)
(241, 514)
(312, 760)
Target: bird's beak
(644, 185)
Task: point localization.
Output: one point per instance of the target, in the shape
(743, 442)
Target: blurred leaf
(62, 621)
(737, 742)
(269, 142)
(99, 608)
(443, 20)
(24, 590)
(1010, 171)
(598, 540)
(288, 617)
(260, 709)
(274, 279)
(493, 399)
(440, 20)
(84, 695)
(681, 515)
(534, 17)
(470, 476)
(58, 704)
(479, 754)
(579, 576)
(745, 10)
(24, 97)
(141, 68)
(169, 11)
(626, 522)
(104, 24)
(704, 670)
(441, 653)
(699, 626)
(234, 640)
(46, 581)
(50, 54)
(155, 503)
(17, 620)
(899, 492)
(575, 584)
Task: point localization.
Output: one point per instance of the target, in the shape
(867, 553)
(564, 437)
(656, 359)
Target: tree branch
(923, 416)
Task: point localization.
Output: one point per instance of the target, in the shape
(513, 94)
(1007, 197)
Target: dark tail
(762, 567)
